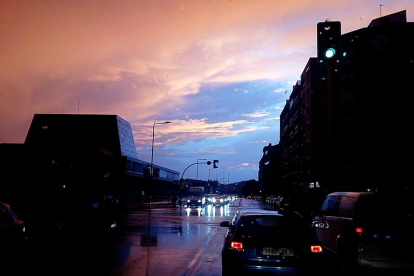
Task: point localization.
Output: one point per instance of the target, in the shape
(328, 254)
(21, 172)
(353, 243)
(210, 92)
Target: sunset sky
(219, 70)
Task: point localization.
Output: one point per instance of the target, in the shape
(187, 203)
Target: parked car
(368, 230)
(12, 229)
(48, 223)
(269, 241)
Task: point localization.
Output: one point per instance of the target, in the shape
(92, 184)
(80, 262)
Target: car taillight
(316, 249)
(358, 230)
(237, 245)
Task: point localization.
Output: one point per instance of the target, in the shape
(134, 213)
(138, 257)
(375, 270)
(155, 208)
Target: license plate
(278, 251)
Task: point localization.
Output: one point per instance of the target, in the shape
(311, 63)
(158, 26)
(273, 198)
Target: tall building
(303, 132)
(346, 125)
(373, 140)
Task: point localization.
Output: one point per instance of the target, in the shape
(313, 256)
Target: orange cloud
(138, 59)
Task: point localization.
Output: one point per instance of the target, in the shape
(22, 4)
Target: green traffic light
(330, 52)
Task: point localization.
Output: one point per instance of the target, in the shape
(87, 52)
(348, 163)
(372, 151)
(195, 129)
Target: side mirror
(224, 224)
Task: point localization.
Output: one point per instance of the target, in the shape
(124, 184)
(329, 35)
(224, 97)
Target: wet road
(174, 241)
(164, 241)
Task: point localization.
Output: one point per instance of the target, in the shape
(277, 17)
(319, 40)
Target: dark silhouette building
(270, 170)
(346, 125)
(290, 138)
(89, 160)
(372, 137)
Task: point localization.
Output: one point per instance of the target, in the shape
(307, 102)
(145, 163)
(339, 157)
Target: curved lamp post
(197, 166)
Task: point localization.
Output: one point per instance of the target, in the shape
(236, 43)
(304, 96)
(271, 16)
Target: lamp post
(197, 167)
(152, 154)
(152, 147)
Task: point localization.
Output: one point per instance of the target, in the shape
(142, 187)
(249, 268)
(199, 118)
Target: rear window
(264, 227)
(380, 208)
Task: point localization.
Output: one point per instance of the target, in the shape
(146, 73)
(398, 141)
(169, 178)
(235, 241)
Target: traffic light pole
(196, 163)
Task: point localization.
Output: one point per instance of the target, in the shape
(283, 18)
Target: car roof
(5, 205)
(355, 194)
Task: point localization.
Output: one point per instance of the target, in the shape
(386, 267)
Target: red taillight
(358, 230)
(237, 245)
(316, 249)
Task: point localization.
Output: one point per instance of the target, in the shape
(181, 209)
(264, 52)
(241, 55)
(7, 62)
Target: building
(290, 138)
(89, 159)
(270, 170)
(373, 140)
(346, 125)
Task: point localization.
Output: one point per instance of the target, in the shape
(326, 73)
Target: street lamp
(197, 167)
(152, 148)
(152, 154)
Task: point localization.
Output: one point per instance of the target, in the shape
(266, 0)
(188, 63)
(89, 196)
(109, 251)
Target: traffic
(245, 234)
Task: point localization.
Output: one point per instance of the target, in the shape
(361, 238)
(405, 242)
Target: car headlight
(199, 200)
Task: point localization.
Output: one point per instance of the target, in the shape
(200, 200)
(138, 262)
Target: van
(367, 230)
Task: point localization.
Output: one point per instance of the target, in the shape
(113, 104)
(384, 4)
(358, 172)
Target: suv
(269, 241)
(367, 230)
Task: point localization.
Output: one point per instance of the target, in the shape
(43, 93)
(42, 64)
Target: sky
(219, 70)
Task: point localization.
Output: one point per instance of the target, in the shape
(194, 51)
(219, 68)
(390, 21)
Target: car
(269, 241)
(220, 200)
(368, 230)
(12, 229)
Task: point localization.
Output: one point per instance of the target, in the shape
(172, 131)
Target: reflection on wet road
(165, 241)
(174, 241)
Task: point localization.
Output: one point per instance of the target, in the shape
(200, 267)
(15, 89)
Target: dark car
(368, 231)
(12, 229)
(220, 200)
(270, 241)
(47, 223)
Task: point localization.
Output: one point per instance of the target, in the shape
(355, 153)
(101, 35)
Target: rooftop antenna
(78, 107)
(381, 5)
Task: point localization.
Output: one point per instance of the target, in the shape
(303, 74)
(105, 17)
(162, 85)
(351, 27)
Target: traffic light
(215, 166)
(329, 42)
